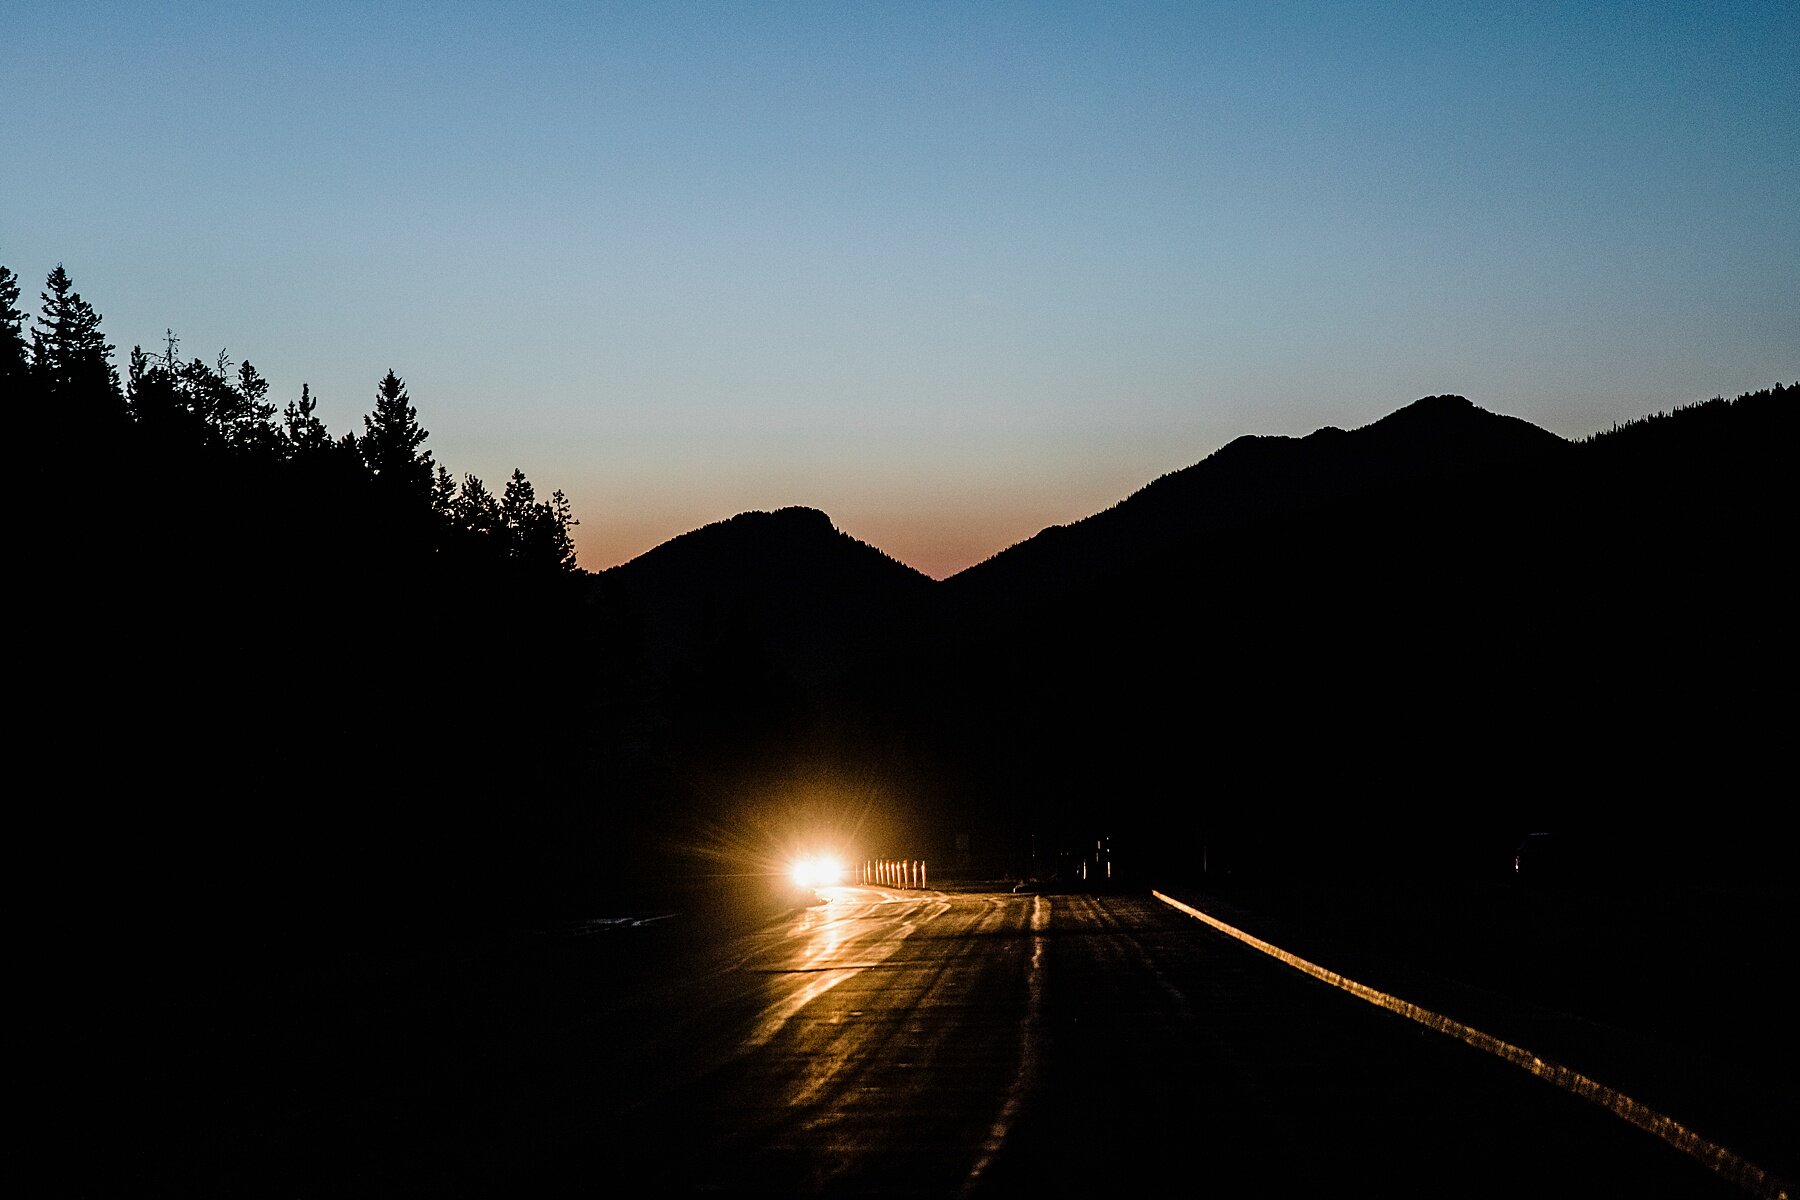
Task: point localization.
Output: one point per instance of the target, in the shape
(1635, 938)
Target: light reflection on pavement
(850, 933)
(930, 1044)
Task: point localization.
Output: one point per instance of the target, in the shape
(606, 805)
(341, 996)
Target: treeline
(274, 668)
(1704, 415)
(63, 380)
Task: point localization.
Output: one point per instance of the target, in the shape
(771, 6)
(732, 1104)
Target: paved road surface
(925, 1044)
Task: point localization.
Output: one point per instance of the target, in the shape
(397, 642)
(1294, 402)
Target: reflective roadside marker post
(895, 872)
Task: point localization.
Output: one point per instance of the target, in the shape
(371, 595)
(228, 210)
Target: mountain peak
(1432, 412)
(1435, 425)
(787, 580)
(795, 515)
(792, 544)
(1448, 402)
(792, 519)
(1433, 447)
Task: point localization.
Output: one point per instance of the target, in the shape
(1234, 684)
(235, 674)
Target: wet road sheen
(907, 1043)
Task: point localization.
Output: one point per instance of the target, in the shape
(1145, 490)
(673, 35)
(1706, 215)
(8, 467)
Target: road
(933, 1044)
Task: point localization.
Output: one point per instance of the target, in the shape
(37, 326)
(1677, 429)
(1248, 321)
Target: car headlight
(817, 870)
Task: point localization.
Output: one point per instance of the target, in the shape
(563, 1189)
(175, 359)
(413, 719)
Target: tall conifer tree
(302, 431)
(70, 358)
(15, 358)
(391, 443)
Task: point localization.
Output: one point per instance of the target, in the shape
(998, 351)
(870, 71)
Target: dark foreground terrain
(743, 1038)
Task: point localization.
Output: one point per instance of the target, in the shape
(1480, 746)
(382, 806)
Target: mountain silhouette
(809, 594)
(1436, 443)
(1443, 622)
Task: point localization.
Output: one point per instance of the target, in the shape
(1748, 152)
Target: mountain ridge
(814, 593)
(1431, 437)
(1443, 597)
(1259, 477)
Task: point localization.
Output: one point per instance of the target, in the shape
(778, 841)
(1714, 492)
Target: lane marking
(1029, 1026)
(1720, 1160)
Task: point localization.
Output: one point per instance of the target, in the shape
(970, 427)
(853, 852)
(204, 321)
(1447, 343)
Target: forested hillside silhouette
(285, 673)
(1389, 648)
(315, 731)
(278, 675)
(1394, 648)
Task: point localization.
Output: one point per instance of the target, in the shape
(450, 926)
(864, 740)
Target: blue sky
(950, 272)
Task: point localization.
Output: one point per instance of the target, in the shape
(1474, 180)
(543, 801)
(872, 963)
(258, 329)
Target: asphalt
(1678, 994)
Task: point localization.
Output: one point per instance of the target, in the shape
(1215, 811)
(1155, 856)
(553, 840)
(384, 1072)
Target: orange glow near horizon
(939, 541)
(938, 551)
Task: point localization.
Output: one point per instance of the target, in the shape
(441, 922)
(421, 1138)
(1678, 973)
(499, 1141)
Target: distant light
(819, 870)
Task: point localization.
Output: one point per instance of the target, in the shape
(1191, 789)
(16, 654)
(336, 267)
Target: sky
(951, 273)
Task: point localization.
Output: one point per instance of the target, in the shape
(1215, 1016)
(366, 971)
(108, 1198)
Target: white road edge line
(1720, 1160)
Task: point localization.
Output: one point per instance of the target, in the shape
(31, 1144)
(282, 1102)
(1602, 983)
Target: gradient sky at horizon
(949, 272)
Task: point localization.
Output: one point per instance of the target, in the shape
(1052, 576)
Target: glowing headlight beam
(816, 870)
